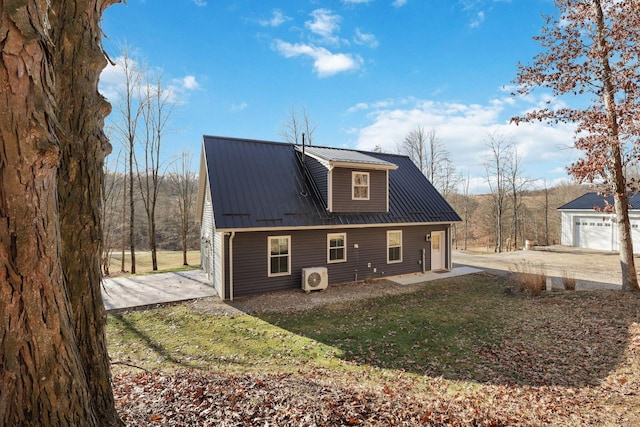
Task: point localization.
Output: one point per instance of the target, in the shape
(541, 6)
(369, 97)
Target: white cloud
(463, 129)
(239, 107)
(277, 18)
(399, 3)
(325, 23)
(325, 62)
(112, 82)
(478, 20)
(357, 1)
(190, 83)
(365, 39)
(200, 3)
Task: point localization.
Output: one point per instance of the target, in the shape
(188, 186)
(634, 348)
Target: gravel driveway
(592, 269)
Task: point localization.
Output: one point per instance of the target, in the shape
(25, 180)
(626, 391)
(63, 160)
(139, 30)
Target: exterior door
(437, 250)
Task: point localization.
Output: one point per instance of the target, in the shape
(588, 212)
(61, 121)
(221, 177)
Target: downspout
(231, 236)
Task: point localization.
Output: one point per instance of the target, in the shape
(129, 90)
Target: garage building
(584, 226)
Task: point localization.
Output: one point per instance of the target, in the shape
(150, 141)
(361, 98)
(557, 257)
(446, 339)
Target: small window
(394, 246)
(360, 181)
(279, 255)
(336, 247)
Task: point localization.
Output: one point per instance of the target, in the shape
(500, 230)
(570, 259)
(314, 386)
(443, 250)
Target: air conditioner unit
(314, 278)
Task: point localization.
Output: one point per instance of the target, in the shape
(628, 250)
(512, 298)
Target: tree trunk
(621, 203)
(41, 375)
(152, 242)
(123, 224)
(78, 61)
(132, 237)
(184, 245)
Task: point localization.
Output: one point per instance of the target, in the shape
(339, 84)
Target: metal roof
(592, 201)
(261, 184)
(339, 155)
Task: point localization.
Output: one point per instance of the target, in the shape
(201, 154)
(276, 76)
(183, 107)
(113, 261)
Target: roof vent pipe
(304, 171)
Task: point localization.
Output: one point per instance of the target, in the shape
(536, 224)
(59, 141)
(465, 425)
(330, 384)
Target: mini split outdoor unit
(314, 278)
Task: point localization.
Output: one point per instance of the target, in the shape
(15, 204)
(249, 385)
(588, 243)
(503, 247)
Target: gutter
(231, 236)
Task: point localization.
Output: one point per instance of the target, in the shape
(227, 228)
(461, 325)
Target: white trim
(223, 268)
(330, 190)
(388, 247)
(231, 237)
(288, 272)
(344, 238)
(320, 160)
(353, 185)
(387, 191)
(336, 226)
(356, 165)
(203, 180)
(346, 164)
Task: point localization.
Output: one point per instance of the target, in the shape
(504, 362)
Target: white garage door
(594, 233)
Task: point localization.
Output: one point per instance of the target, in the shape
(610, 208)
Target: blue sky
(366, 71)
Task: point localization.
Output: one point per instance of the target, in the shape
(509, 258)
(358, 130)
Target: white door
(437, 250)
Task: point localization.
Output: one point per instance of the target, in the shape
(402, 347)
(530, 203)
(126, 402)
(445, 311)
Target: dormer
(349, 181)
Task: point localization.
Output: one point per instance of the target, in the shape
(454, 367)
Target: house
(585, 225)
(274, 213)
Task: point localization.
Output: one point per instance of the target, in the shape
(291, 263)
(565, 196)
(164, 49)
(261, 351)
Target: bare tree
(113, 186)
(499, 149)
(415, 146)
(129, 110)
(296, 124)
(468, 206)
(517, 185)
(184, 185)
(449, 179)
(156, 111)
(592, 47)
(428, 153)
(54, 364)
(546, 212)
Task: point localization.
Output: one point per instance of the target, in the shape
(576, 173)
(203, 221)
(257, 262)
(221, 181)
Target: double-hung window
(360, 185)
(336, 247)
(279, 255)
(394, 246)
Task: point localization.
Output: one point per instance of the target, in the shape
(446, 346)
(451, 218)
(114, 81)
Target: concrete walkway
(140, 291)
(410, 279)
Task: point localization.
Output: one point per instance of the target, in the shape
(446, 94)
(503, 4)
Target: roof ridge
(257, 141)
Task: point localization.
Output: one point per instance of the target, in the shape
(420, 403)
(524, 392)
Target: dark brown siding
(342, 191)
(309, 249)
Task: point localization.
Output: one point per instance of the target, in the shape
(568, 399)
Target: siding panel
(309, 249)
(342, 191)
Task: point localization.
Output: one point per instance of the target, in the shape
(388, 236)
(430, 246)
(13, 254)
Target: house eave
(335, 226)
(364, 166)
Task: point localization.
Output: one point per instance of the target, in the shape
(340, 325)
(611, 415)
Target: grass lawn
(457, 349)
(167, 261)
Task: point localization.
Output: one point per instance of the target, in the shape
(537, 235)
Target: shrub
(531, 278)
(568, 281)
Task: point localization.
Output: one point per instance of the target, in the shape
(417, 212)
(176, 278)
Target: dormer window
(360, 185)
